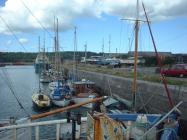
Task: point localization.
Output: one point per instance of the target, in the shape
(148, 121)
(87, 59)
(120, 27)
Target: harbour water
(23, 81)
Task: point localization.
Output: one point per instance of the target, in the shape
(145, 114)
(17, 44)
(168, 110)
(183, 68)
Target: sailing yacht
(39, 99)
(61, 94)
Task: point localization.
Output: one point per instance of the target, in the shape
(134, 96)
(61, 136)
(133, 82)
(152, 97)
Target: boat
(61, 93)
(61, 96)
(45, 77)
(84, 90)
(41, 61)
(40, 100)
(53, 85)
(100, 126)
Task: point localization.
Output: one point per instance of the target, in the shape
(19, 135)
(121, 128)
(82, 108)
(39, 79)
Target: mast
(103, 46)
(57, 49)
(39, 65)
(171, 103)
(44, 54)
(109, 41)
(85, 52)
(134, 88)
(75, 54)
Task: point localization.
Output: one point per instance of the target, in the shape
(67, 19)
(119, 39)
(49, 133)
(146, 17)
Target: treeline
(17, 57)
(30, 57)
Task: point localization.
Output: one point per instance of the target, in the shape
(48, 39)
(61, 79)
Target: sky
(23, 21)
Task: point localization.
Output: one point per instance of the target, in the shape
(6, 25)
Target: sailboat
(41, 62)
(83, 90)
(61, 93)
(39, 99)
(45, 75)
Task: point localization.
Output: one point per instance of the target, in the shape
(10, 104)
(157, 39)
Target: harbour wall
(150, 96)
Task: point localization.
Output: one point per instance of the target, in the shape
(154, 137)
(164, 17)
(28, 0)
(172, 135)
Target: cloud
(23, 40)
(16, 13)
(156, 9)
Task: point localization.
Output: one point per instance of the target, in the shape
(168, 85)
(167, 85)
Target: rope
(36, 18)
(10, 85)
(10, 29)
(143, 106)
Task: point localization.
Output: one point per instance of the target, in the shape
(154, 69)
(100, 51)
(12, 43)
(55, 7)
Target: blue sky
(169, 29)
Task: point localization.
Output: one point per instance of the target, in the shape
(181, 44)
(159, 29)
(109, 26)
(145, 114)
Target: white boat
(45, 77)
(41, 100)
(61, 95)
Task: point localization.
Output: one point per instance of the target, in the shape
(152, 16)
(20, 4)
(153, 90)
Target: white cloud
(23, 40)
(157, 9)
(18, 17)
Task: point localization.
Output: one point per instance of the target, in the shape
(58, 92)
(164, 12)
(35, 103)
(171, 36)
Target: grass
(127, 74)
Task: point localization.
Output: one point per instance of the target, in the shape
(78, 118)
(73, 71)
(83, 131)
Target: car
(115, 63)
(179, 70)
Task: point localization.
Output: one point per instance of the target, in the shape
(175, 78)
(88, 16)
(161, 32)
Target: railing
(24, 131)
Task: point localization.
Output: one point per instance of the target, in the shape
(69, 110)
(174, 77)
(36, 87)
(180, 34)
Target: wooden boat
(84, 90)
(41, 101)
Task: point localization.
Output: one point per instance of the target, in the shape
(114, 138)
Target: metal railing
(24, 131)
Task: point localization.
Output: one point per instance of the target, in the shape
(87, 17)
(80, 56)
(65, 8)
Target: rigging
(10, 85)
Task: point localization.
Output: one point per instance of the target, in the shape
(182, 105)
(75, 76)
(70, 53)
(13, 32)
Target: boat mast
(85, 52)
(75, 55)
(109, 43)
(171, 103)
(57, 50)
(103, 47)
(134, 88)
(39, 65)
(55, 44)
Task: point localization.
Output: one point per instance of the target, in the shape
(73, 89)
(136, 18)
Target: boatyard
(130, 85)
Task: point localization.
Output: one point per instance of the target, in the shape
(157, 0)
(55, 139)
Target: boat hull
(79, 100)
(61, 103)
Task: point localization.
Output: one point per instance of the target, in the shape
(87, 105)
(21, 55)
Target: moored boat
(61, 95)
(84, 90)
(41, 101)
(54, 85)
(45, 77)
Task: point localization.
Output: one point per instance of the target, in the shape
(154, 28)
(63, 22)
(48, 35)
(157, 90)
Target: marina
(101, 97)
